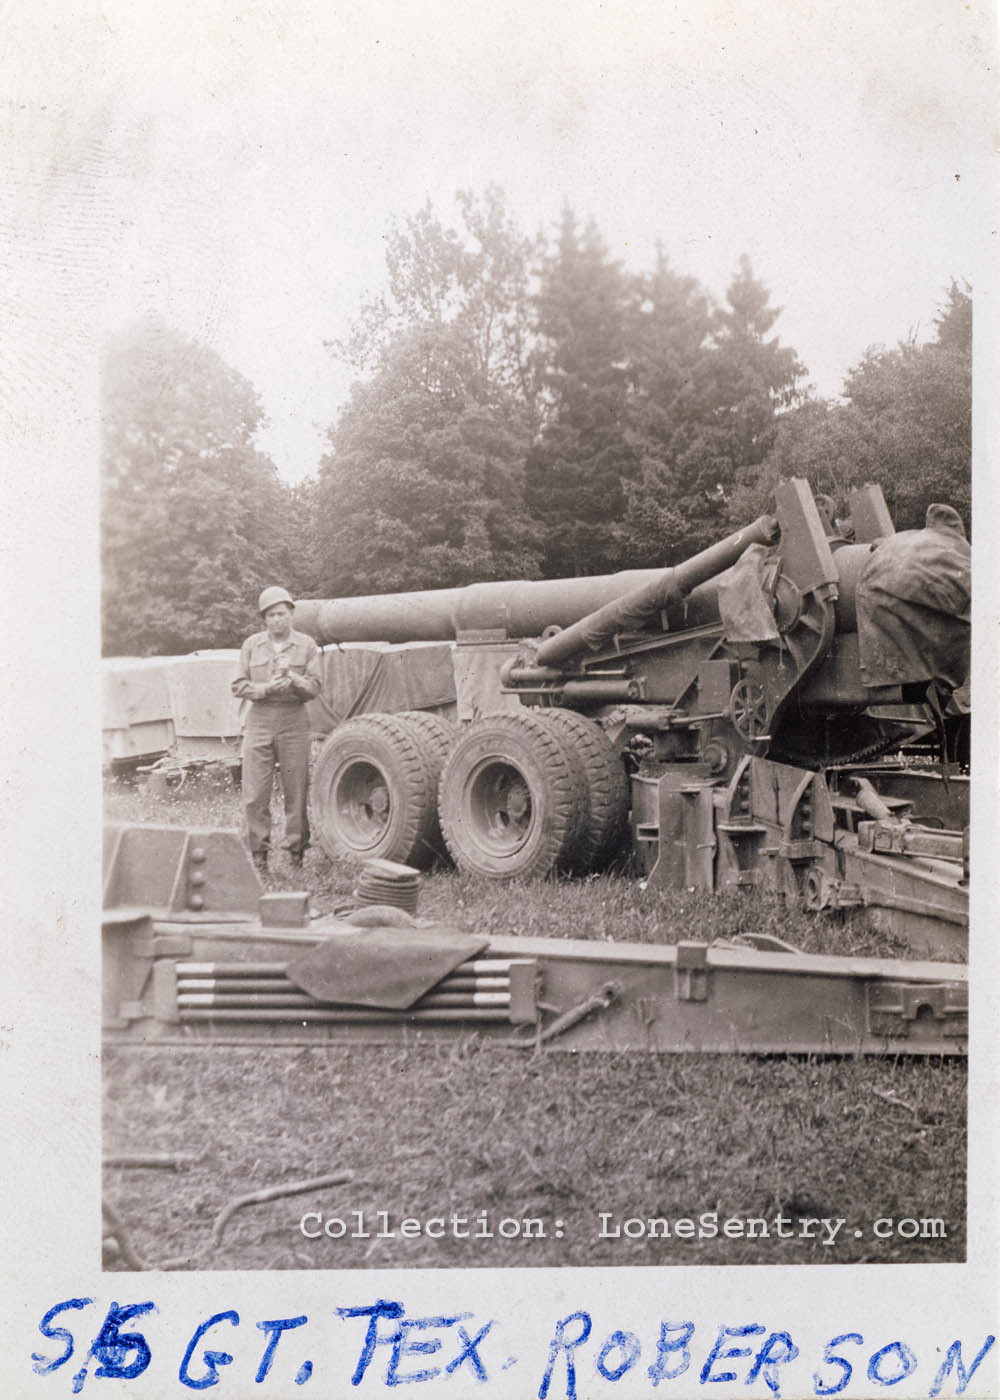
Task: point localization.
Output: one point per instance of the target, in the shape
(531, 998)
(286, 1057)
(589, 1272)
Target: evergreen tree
(744, 386)
(194, 517)
(578, 468)
(669, 333)
(904, 423)
(712, 387)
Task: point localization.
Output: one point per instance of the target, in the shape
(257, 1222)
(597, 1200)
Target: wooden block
(285, 909)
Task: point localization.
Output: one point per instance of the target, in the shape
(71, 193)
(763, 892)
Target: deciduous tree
(193, 516)
(904, 422)
(908, 419)
(423, 486)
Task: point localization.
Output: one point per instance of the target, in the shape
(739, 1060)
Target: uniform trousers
(276, 736)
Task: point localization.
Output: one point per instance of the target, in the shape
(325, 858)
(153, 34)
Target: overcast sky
(247, 158)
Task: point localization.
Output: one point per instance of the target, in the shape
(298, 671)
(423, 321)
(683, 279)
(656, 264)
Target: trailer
(195, 953)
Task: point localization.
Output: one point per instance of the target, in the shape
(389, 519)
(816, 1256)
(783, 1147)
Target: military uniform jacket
(261, 662)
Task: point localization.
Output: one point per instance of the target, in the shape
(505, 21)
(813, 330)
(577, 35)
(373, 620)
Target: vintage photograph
(537, 792)
(537, 459)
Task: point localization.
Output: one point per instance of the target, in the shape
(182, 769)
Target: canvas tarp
(382, 967)
(913, 602)
(184, 704)
(388, 679)
(744, 605)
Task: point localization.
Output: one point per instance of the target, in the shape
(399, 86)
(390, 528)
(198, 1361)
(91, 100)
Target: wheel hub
(363, 801)
(499, 806)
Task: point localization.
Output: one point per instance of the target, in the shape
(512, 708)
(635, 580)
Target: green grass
(612, 906)
(431, 1130)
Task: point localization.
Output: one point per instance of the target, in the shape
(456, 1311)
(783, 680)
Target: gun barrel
(522, 608)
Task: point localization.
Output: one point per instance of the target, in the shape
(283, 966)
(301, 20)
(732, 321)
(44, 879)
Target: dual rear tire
(374, 788)
(605, 790)
(510, 796)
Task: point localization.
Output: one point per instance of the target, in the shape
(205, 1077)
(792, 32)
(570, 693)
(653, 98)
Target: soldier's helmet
(271, 596)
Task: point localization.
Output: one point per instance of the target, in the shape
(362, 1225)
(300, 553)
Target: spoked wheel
(374, 794)
(748, 710)
(510, 798)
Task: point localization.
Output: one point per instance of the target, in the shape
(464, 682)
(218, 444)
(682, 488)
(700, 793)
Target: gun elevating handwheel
(748, 710)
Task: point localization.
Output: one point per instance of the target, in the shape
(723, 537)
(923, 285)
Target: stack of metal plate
(388, 882)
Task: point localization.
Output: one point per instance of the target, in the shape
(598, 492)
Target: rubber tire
(487, 751)
(393, 749)
(434, 737)
(436, 734)
(606, 789)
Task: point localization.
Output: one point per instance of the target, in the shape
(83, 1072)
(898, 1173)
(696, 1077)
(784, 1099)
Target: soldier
(279, 672)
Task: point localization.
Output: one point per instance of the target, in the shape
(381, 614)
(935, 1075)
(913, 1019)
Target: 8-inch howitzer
(725, 712)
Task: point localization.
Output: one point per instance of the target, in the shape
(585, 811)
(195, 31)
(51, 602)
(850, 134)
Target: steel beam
(568, 994)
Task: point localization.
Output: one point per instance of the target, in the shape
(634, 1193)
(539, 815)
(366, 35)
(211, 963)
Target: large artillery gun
(724, 714)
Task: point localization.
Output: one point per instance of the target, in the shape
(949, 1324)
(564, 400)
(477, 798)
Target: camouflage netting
(913, 601)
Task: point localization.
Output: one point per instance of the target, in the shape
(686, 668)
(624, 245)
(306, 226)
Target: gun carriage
(738, 720)
(723, 714)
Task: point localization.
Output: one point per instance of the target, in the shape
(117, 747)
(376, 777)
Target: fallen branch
(891, 1098)
(120, 1235)
(274, 1193)
(135, 1260)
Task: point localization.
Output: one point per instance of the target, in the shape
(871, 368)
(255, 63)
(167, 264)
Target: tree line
(524, 407)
